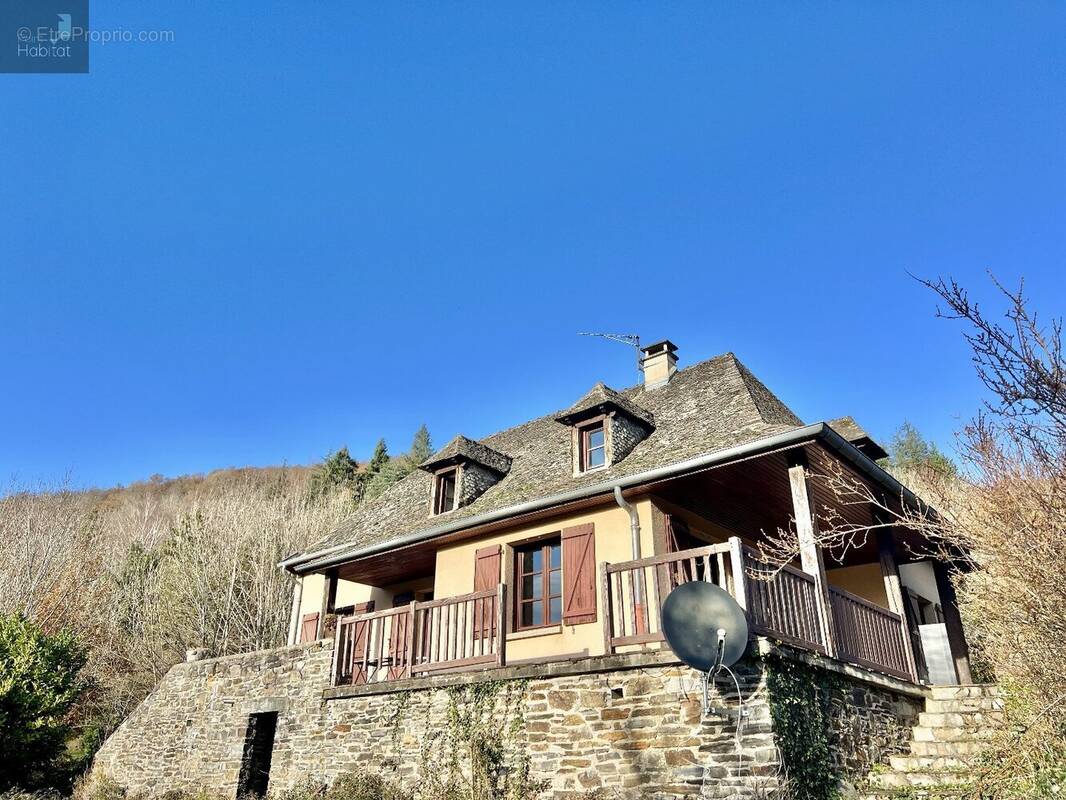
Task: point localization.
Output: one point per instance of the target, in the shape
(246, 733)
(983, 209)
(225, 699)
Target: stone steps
(901, 780)
(964, 705)
(961, 748)
(913, 763)
(955, 719)
(956, 692)
(949, 735)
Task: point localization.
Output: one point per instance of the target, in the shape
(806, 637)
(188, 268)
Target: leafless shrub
(144, 573)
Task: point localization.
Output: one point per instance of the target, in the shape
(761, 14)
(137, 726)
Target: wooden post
(960, 650)
(294, 617)
(335, 665)
(810, 552)
(886, 552)
(740, 580)
(501, 625)
(412, 613)
(329, 602)
(606, 612)
(660, 546)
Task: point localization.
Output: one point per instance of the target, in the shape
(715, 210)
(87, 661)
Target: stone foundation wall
(624, 725)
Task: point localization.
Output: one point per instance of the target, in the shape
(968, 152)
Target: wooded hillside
(141, 573)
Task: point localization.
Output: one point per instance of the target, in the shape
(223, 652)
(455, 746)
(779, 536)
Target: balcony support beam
(809, 549)
(886, 552)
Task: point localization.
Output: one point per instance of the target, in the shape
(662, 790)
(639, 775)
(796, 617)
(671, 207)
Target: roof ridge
(770, 408)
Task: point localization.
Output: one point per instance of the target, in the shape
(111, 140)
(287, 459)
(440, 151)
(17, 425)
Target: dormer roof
(857, 435)
(462, 449)
(601, 399)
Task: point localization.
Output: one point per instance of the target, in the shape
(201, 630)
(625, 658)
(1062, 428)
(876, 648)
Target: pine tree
(379, 460)
(338, 470)
(421, 446)
(909, 450)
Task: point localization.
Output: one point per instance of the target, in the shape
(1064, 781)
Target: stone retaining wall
(626, 726)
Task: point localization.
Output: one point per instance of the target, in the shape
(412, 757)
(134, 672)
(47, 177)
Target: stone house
(542, 555)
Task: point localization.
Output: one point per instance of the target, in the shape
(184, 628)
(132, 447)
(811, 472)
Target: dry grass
(143, 573)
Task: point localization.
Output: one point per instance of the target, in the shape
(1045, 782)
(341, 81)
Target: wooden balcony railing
(421, 638)
(783, 605)
(470, 631)
(781, 602)
(632, 592)
(868, 634)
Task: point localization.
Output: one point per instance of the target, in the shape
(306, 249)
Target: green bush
(39, 683)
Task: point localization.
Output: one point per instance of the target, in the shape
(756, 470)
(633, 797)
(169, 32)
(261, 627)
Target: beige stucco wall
(865, 580)
(455, 575)
(921, 578)
(350, 593)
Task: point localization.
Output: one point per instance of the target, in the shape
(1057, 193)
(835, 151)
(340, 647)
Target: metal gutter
(339, 554)
(319, 559)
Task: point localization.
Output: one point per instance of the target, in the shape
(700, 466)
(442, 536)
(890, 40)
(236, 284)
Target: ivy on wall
(479, 754)
(800, 697)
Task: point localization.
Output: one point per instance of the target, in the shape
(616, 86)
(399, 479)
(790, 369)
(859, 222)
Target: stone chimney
(659, 362)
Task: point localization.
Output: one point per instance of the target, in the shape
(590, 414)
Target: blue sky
(304, 225)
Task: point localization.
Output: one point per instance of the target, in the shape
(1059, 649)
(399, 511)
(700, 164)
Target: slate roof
(462, 449)
(602, 395)
(709, 406)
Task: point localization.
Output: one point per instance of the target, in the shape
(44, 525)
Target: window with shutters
(592, 440)
(444, 493)
(539, 578)
(579, 574)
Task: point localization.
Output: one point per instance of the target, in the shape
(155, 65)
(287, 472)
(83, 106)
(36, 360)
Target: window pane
(596, 438)
(595, 458)
(527, 614)
(538, 585)
(446, 492)
(527, 587)
(538, 612)
(537, 560)
(556, 556)
(555, 582)
(555, 610)
(527, 562)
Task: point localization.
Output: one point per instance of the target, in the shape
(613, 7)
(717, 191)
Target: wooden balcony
(782, 603)
(785, 603)
(455, 633)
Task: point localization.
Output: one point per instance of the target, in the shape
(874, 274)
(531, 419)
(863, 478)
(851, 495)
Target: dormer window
(605, 426)
(593, 446)
(462, 471)
(444, 493)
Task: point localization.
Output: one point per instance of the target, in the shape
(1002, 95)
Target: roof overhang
(821, 432)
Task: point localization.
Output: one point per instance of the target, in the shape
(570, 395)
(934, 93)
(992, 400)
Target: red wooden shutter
(309, 627)
(487, 562)
(579, 574)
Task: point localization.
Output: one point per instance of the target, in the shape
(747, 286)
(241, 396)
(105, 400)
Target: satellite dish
(704, 626)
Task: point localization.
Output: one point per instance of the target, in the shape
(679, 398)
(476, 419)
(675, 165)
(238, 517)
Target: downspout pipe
(637, 575)
(634, 520)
